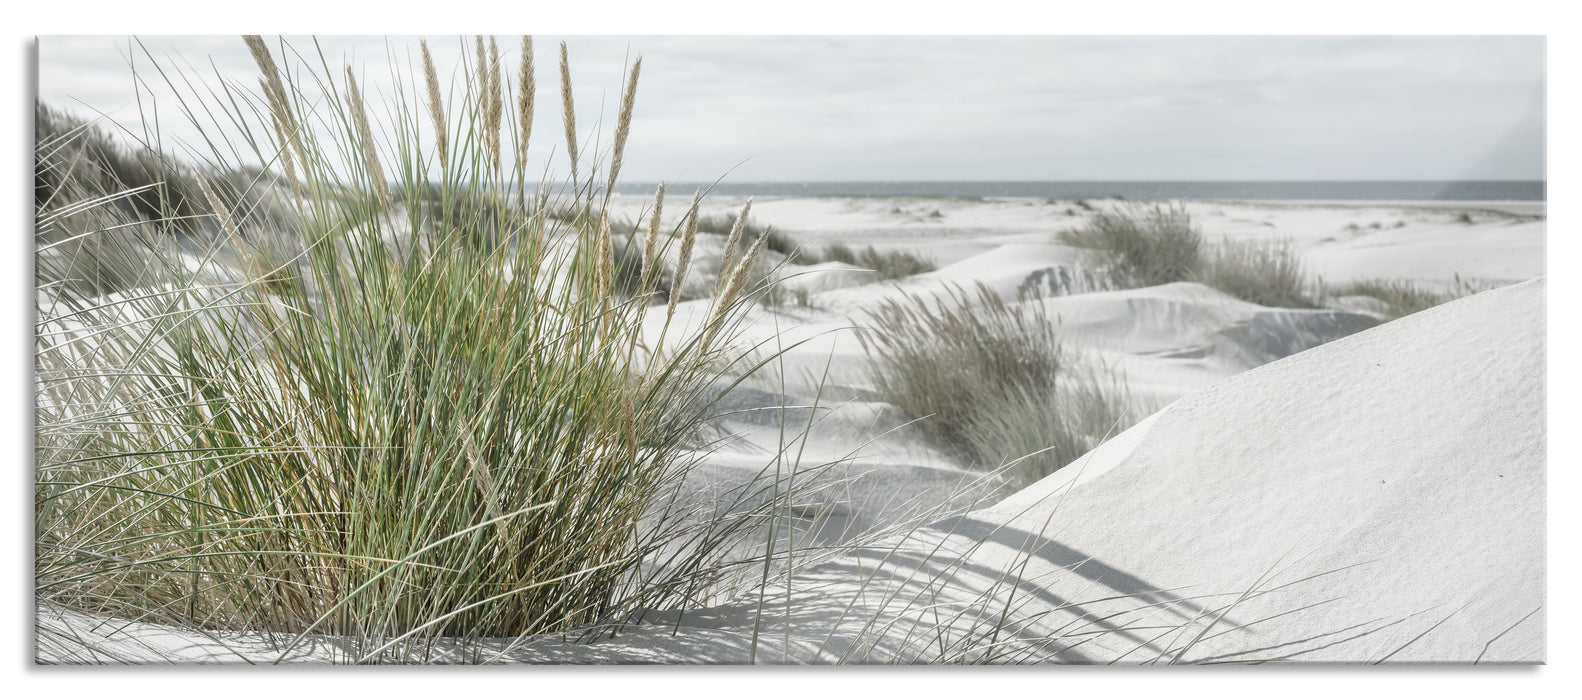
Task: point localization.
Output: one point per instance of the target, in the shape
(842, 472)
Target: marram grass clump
(1142, 246)
(447, 424)
(889, 265)
(990, 382)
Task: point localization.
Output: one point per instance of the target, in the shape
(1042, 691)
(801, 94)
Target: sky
(865, 108)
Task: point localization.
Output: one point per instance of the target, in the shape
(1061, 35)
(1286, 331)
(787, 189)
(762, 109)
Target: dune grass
(1403, 297)
(443, 422)
(778, 242)
(1265, 272)
(990, 381)
(1143, 246)
(890, 265)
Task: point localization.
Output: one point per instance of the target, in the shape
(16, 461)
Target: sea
(1360, 190)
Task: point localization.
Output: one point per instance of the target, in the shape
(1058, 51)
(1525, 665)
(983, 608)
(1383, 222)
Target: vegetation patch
(1143, 246)
(1403, 297)
(890, 265)
(990, 382)
(448, 425)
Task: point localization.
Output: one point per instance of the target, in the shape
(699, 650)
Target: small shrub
(988, 381)
(1139, 246)
(889, 265)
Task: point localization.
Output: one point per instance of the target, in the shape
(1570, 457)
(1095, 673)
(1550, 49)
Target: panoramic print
(790, 350)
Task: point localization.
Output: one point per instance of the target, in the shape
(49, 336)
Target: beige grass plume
(727, 258)
(733, 287)
(481, 474)
(436, 107)
(623, 125)
(278, 117)
(365, 134)
(524, 102)
(489, 99)
(279, 106)
(689, 235)
(606, 251)
(568, 110)
(651, 240)
(220, 210)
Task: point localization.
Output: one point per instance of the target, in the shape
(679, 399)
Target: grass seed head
(496, 104)
(727, 257)
(359, 114)
(623, 125)
(651, 240)
(689, 235)
(569, 112)
(436, 108)
(524, 103)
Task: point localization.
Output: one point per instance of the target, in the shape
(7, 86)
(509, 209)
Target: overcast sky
(965, 108)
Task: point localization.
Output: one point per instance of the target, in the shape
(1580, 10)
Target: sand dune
(1314, 488)
(1281, 515)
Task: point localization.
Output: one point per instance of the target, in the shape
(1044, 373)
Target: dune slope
(1377, 499)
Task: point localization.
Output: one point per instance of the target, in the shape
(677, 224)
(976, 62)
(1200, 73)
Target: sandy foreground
(1310, 485)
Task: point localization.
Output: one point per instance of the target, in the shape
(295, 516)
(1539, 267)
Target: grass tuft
(891, 265)
(990, 381)
(1144, 246)
(1269, 273)
(1403, 297)
(1141, 246)
(447, 424)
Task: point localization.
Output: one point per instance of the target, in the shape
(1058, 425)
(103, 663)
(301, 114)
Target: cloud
(895, 108)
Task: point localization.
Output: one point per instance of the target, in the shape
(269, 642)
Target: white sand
(1395, 516)
(1411, 453)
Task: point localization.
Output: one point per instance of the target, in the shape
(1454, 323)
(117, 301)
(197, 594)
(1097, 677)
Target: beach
(1293, 484)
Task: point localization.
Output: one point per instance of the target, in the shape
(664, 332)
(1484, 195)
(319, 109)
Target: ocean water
(1413, 190)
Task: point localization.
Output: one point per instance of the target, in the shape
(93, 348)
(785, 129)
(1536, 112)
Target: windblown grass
(1144, 246)
(1267, 272)
(990, 381)
(1403, 297)
(891, 265)
(1141, 246)
(446, 424)
(778, 242)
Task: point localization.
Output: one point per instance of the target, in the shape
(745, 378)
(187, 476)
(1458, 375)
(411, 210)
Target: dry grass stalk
(727, 258)
(279, 105)
(496, 103)
(651, 240)
(278, 116)
(274, 87)
(220, 211)
(623, 125)
(524, 102)
(733, 288)
(568, 110)
(689, 235)
(606, 260)
(487, 81)
(436, 108)
(481, 475)
(365, 135)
